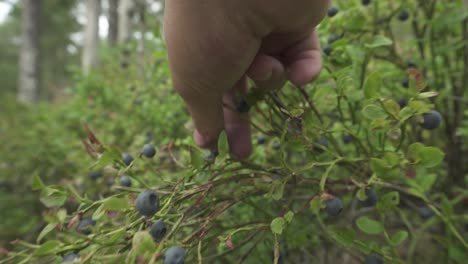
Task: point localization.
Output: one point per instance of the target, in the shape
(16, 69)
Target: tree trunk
(91, 35)
(126, 11)
(113, 18)
(28, 81)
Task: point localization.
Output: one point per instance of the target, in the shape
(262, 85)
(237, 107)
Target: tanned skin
(215, 45)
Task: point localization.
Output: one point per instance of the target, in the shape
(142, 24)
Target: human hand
(214, 46)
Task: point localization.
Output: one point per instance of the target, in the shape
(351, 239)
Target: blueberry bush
(365, 165)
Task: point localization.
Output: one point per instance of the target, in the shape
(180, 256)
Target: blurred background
(63, 64)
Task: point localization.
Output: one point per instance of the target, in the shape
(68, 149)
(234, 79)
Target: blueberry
(425, 212)
(431, 120)
(124, 64)
(332, 11)
(132, 88)
(403, 16)
(158, 230)
(333, 37)
(148, 151)
(276, 145)
(373, 259)
(405, 83)
(366, 2)
(261, 140)
(127, 158)
(327, 50)
(126, 181)
(211, 156)
(85, 225)
(94, 175)
(402, 102)
(147, 203)
(322, 144)
(71, 257)
(243, 106)
(347, 138)
(371, 200)
(174, 255)
(411, 64)
(334, 206)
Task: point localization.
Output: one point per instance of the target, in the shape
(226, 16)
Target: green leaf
(379, 41)
(315, 205)
(61, 215)
(398, 238)
(428, 94)
(388, 201)
(392, 159)
(392, 107)
(372, 85)
(48, 248)
(100, 211)
(277, 225)
(46, 230)
(277, 189)
(373, 111)
(369, 226)
(420, 107)
(223, 146)
(53, 197)
(143, 244)
(110, 157)
(196, 157)
(116, 204)
(342, 235)
(37, 183)
(289, 216)
(457, 253)
(427, 157)
(361, 194)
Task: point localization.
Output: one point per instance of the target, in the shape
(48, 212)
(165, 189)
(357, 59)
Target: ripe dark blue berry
(243, 106)
(371, 200)
(127, 158)
(373, 259)
(327, 50)
(158, 230)
(126, 181)
(333, 37)
(347, 138)
(334, 206)
(147, 203)
(411, 64)
(402, 102)
(403, 16)
(276, 145)
(94, 175)
(148, 151)
(425, 212)
(70, 258)
(405, 83)
(211, 156)
(261, 140)
(85, 225)
(322, 144)
(431, 120)
(332, 11)
(174, 255)
(366, 2)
